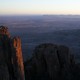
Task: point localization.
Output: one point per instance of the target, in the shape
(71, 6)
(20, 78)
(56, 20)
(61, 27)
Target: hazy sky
(39, 7)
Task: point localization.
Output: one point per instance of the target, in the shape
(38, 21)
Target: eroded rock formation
(51, 62)
(48, 62)
(11, 61)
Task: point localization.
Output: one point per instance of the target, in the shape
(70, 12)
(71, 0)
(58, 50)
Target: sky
(30, 7)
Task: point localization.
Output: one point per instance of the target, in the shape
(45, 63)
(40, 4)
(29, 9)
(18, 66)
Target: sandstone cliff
(11, 61)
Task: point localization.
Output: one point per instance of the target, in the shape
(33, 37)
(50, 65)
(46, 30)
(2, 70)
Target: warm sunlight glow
(39, 7)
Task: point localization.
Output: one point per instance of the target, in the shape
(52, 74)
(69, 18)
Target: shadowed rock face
(11, 62)
(51, 62)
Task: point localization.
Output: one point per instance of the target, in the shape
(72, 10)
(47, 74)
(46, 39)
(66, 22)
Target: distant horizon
(39, 14)
(39, 7)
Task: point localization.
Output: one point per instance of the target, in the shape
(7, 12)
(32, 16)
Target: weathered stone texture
(50, 62)
(11, 62)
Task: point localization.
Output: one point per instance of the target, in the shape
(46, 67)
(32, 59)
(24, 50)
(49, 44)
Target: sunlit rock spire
(11, 60)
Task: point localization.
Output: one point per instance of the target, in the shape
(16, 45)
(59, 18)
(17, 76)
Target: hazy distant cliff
(11, 60)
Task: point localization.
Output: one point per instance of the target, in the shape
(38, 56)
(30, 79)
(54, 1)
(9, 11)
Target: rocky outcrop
(48, 62)
(11, 61)
(51, 62)
(4, 31)
(17, 58)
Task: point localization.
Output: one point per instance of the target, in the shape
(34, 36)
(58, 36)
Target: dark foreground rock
(52, 62)
(49, 61)
(11, 61)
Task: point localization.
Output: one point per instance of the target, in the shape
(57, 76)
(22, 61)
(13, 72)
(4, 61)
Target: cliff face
(11, 61)
(51, 62)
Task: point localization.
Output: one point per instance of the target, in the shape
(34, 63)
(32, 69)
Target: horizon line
(39, 14)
